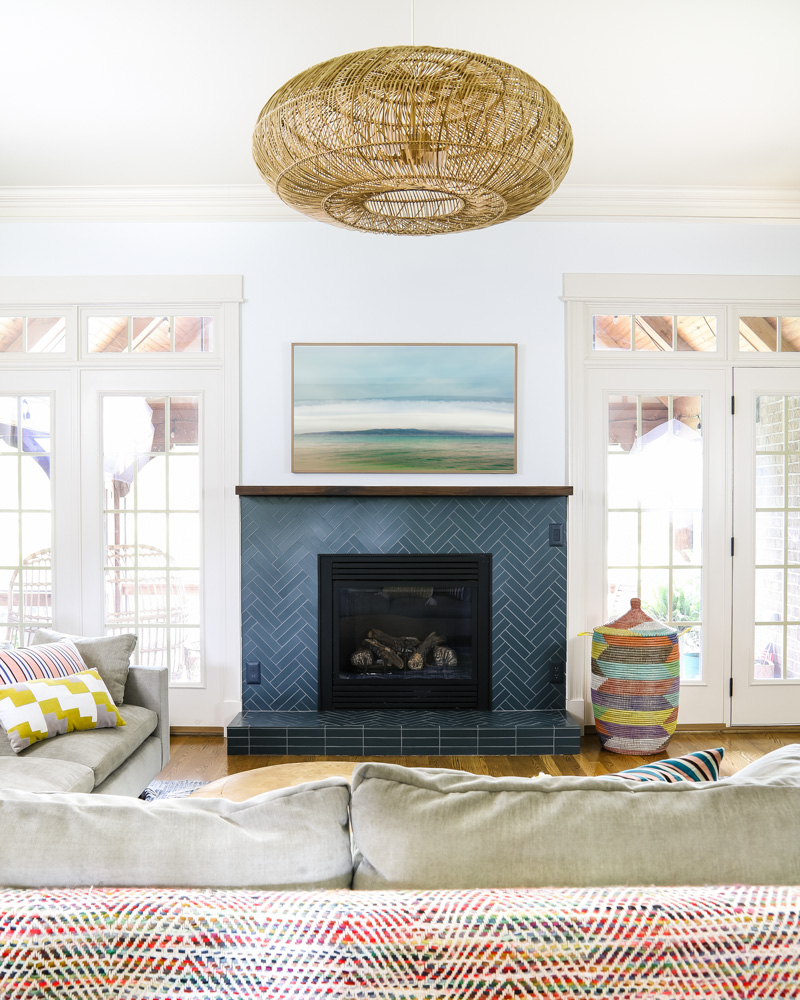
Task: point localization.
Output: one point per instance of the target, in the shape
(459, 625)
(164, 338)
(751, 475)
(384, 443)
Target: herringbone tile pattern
(282, 536)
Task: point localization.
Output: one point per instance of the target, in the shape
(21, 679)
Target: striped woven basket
(635, 682)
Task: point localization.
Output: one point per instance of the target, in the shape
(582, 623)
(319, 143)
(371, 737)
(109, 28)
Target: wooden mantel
(404, 491)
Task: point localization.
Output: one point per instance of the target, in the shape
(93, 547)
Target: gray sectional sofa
(118, 761)
(411, 882)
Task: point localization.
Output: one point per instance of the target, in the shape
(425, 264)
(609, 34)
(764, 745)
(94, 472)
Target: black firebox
(405, 631)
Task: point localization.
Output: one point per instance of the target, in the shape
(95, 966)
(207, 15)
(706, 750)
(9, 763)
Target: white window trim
(219, 295)
(727, 297)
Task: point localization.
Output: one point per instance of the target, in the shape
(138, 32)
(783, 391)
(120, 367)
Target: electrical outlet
(556, 534)
(557, 673)
(252, 671)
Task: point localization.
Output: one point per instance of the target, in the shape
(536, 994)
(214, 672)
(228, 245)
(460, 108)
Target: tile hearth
(403, 733)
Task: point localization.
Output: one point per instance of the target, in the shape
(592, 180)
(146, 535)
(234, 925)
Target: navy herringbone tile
(282, 537)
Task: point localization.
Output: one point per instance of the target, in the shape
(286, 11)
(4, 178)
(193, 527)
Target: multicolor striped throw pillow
(703, 765)
(58, 659)
(36, 710)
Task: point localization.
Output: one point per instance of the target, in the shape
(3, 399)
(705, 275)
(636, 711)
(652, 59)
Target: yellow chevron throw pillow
(36, 710)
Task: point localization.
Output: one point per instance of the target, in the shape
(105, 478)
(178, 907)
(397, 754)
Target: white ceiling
(675, 94)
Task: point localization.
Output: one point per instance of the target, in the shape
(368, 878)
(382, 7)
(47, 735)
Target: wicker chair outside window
(139, 599)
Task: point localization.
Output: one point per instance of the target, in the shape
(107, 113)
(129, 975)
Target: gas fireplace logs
(380, 651)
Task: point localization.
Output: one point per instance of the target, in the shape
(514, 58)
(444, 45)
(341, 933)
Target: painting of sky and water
(404, 408)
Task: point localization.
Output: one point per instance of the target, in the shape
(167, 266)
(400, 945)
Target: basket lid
(638, 622)
(633, 617)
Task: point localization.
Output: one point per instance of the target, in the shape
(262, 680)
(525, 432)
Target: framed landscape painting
(404, 408)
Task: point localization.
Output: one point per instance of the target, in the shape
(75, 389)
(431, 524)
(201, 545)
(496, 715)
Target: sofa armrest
(149, 688)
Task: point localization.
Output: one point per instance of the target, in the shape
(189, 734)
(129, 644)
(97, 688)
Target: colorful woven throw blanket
(679, 943)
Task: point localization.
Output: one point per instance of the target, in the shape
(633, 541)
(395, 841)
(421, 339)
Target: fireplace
(405, 631)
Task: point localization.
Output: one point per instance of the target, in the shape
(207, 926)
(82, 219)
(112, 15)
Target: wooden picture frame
(404, 408)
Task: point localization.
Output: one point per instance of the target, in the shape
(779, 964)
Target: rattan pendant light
(413, 140)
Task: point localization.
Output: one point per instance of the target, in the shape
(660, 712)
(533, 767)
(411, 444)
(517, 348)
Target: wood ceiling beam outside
(657, 337)
(759, 332)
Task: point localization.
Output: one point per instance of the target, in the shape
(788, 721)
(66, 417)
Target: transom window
(33, 334)
(146, 334)
(654, 333)
(769, 334)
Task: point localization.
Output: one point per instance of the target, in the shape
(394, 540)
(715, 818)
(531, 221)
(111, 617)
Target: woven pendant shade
(412, 140)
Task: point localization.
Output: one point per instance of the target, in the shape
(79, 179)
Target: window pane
(184, 482)
(691, 647)
(9, 539)
(120, 591)
(194, 333)
(769, 595)
(623, 584)
(108, 334)
(151, 483)
(769, 423)
(623, 539)
(655, 593)
(652, 333)
(47, 335)
(769, 537)
(35, 478)
(793, 652)
(696, 333)
(153, 533)
(11, 329)
(185, 585)
(184, 423)
(655, 538)
(793, 595)
(790, 333)
(769, 480)
(793, 540)
(758, 333)
(150, 334)
(184, 538)
(687, 536)
(768, 656)
(9, 482)
(611, 333)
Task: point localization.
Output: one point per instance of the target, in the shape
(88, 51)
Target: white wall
(304, 281)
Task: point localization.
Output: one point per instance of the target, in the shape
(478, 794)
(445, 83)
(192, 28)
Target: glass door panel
(766, 616)
(654, 528)
(151, 477)
(26, 523)
(658, 449)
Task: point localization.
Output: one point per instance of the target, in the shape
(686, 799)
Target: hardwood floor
(204, 757)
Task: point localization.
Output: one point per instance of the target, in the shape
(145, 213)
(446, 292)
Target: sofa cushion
(420, 828)
(702, 765)
(45, 775)
(102, 750)
(291, 838)
(51, 706)
(58, 659)
(109, 655)
(779, 767)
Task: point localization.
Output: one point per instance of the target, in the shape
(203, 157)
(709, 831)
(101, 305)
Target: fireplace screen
(405, 631)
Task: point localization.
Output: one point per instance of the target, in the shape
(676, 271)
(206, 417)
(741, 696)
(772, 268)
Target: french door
(657, 515)
(153, 523)
(766, 564)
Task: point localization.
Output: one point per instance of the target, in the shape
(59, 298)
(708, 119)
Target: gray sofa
(459, 885)
(119, 761)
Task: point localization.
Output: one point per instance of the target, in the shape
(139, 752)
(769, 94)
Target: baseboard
(197, 730)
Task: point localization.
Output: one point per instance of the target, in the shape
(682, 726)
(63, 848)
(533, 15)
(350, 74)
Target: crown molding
(255, 202)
